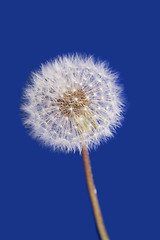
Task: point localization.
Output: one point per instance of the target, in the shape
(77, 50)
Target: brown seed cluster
(73, 103)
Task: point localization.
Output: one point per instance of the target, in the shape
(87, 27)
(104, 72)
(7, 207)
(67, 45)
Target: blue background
(43, 194)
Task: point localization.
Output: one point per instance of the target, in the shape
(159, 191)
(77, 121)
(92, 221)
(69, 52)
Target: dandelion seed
(74, 103)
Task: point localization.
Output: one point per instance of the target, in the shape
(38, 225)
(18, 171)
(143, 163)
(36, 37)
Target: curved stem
(93, 196)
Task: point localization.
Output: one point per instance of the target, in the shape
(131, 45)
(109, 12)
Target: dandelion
(74, 103)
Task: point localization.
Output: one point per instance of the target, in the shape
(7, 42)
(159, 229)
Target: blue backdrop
(43, 194)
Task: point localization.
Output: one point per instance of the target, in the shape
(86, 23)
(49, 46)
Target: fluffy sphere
(72, 101)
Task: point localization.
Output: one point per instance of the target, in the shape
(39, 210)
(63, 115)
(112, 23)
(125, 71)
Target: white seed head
(73, 101)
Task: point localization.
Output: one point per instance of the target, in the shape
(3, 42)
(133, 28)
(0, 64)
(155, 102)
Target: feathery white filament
(73, 101)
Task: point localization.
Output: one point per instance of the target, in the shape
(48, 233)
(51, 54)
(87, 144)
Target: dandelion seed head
(73, 101)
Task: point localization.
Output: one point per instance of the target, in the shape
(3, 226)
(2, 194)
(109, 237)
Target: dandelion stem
(93, 196)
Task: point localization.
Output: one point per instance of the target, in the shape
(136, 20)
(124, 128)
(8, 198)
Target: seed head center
(73, 103)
